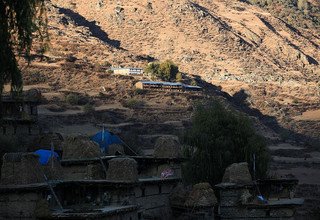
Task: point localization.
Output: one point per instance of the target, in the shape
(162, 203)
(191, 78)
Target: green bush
(166, 70)
(72, 99)
(218, 138)
(88, 108)
(179, 77)
(138, 91)
(133, 103)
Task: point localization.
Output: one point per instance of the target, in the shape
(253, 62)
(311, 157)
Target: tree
(19, 19)
(166, 70)
(218, 138)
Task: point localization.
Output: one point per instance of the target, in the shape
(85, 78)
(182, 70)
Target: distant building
(128, 71)
(18, 112)
(152, 85)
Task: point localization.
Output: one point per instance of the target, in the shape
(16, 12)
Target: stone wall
(84, 172)
(154, 199)
(18, 205)
(21, 168)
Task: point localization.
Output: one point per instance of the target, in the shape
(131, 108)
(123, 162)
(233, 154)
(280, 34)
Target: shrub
(194, 82)
(179, 77)
(72, 99)
(88, 108)
(133, 103)
(166, 70)
(138, 91)
(218, 138)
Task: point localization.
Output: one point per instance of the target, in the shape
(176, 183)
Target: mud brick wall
(231, 208)
(154, 199)
(155, 170)
(18, 205)
(21, 168)
(83, 172)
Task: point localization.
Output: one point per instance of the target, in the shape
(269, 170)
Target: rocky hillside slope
(255, 57)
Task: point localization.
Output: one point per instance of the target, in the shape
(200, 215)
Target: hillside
(231, 44)
(240, 53)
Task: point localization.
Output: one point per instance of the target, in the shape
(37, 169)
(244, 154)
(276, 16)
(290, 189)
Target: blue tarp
(45, 155)
(104, 139)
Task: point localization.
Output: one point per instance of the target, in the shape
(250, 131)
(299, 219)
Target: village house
(172, 86)
(18, 112)
(129, 71)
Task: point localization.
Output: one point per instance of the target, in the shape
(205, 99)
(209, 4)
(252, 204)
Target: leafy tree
(18, 19)
(166, 70)
(152, 69)
(179, 77)
(218, 138)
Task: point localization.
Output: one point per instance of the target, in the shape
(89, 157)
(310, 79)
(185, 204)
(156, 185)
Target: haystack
(95, 172)
(202, 195)
(115, 149)
(80, 147)
(122, 169)
(44, 141)
(237, 173)
(21, 168)
(168, 147)
(179, 195)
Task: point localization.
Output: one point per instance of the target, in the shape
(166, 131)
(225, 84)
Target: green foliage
(138, 91)
(218, 138)
(18, 19)
(179, 77)
(72, 99)
(166, 70)
(194, 82)
(133, 103)
(88, 108)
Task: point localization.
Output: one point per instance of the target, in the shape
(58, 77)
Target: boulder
(202, 195)
(237, 173)
(122, 169)
(80, 147)
(168, 147)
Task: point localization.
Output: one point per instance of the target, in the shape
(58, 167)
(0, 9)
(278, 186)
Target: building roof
(125, 68)
(170, 84)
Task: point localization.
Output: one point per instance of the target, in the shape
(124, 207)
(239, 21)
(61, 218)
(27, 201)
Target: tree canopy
(218, 138)
(166, 70)
(19, 19)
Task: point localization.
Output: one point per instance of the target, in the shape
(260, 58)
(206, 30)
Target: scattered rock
(237, 173)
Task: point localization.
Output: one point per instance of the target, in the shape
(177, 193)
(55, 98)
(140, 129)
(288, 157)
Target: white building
(128, 71)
